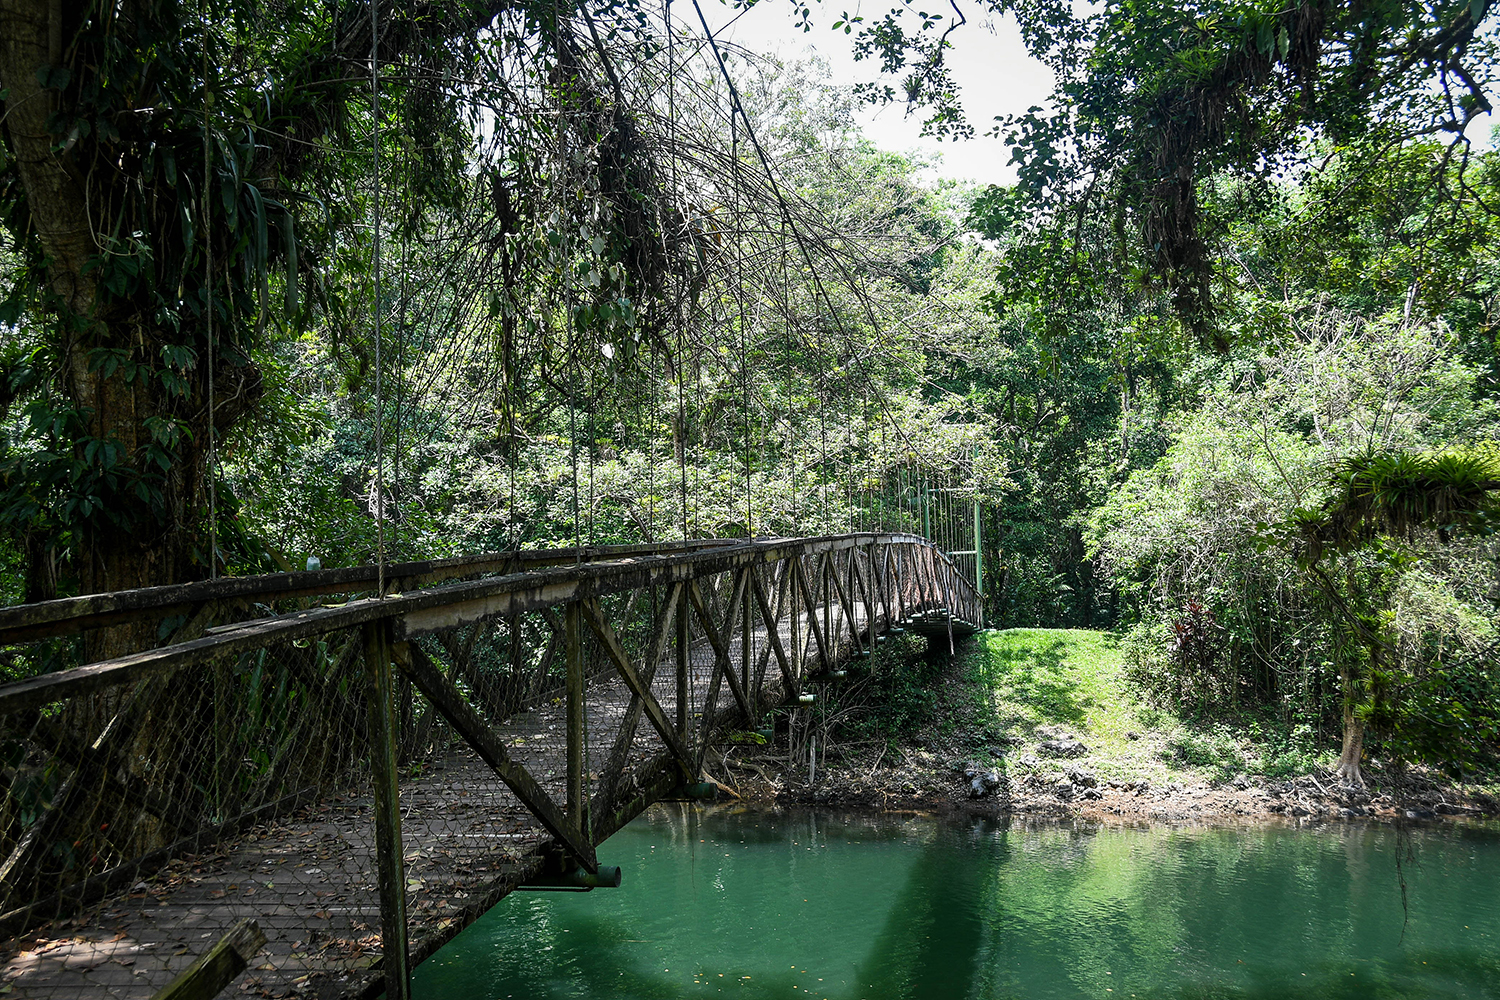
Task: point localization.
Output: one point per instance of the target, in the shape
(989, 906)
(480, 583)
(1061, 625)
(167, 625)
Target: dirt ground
(1048, 771)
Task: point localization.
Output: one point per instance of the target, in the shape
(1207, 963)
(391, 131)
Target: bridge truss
(365, 775)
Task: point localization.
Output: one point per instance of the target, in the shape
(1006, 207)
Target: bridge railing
(367, 775)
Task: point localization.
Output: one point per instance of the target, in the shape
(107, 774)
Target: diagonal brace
(611, 644)
(773, 631)
(716, 639)
(477, 733)
(814, 626)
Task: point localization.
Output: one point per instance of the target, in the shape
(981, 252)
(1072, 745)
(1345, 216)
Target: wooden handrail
(70, 615)
(424, 611)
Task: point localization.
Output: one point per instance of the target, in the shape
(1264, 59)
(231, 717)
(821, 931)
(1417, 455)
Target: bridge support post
(573, 636)
(684, 708)
(978, 565)
(390, 871)
(746, 654)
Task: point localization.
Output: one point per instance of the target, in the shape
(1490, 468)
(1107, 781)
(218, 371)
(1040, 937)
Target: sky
(989, 62)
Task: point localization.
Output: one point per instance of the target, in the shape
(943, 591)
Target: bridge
(363, 761)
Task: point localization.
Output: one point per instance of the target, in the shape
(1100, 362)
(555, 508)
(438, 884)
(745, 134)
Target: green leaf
(53, 77)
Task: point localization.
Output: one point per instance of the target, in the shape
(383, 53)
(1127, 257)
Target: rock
(1062, 748)
(982, 783)
(1028, 760)
(1241, 782)
(1092, 793)
(1064, 790)
(1082, 779)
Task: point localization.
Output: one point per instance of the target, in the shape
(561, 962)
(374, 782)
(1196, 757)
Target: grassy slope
(1022, 680)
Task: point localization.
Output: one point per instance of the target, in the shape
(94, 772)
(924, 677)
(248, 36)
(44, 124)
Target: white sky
(992, 67)
(996, 76)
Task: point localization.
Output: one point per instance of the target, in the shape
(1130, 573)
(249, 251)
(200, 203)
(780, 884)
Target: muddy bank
(919, 779)
(968, 757)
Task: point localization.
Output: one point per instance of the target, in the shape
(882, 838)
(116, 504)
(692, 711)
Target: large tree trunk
(124, 539)
(1354, 732)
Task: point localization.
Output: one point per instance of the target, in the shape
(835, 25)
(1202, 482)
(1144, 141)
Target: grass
(1027, 682)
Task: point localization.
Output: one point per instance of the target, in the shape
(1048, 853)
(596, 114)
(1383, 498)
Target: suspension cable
(375, 305)
(208, 311)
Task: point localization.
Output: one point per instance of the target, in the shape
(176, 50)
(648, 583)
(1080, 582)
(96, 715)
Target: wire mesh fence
(150, 801)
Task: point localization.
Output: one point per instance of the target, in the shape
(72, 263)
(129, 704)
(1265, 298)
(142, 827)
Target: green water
(840, 907)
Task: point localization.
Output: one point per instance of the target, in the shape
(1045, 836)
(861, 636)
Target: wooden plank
(638, 687)
(96, 887)
(830, 626)
(218, 967)
(860, 590)
(385, 779)
(491, 749)
(747, 653)
(772, 620)
(882, 577)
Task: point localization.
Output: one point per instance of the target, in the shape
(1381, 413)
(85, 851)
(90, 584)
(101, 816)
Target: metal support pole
(391, 873)
(926, 511)
(573, 632)
(978, 562)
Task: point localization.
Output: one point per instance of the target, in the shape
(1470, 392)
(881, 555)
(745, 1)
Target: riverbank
(1044, 722)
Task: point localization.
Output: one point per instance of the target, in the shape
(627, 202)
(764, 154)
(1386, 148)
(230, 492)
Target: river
(856, 907)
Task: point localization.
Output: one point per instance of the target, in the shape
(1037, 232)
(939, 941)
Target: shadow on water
(822, 905)
(933, 935)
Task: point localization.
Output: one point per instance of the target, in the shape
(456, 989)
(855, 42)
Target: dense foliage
(1218, 370)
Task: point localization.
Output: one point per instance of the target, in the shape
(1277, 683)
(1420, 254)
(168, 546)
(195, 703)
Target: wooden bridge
(365, 775)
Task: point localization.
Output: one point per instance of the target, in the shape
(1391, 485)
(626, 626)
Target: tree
(1154, 101)
(182, 181)
(1371, 530)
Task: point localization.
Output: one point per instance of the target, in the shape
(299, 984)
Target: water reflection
(847, 907)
